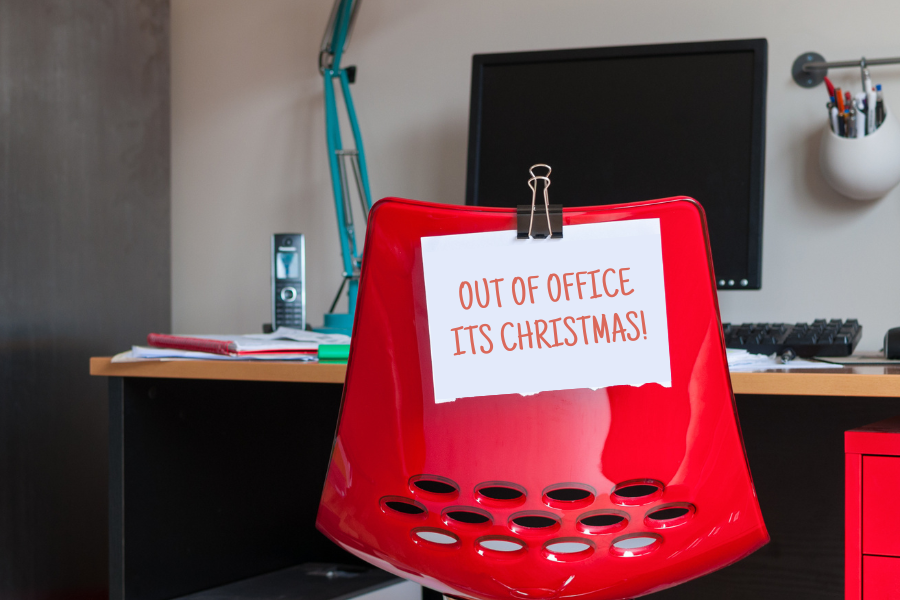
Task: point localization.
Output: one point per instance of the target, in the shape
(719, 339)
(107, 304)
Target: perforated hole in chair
(635, 544)
(532, 522)
(431, 537)
(500, 493)
(466, 517)
(403, 507)
(433, 487)
(636, 492)
(568, 549)
(569, 496)
(500, 547)
(669, 515)
(436, 537)
(602, 521)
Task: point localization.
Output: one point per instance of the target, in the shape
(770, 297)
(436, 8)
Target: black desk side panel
(795, 445)
(219, 480)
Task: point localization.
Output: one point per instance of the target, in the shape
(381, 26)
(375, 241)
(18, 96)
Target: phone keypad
(288, 308)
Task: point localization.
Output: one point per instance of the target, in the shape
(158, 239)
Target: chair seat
(590, 494)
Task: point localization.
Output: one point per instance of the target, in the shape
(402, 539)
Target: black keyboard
(819, 338)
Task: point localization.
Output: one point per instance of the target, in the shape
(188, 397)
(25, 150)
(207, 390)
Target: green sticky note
(334, 351)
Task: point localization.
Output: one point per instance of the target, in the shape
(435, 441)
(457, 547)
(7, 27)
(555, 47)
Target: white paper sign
(509, 316)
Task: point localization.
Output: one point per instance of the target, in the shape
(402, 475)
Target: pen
(870, 102)
(879, 107)
(833, 115)
(842, 121)
(830, 86)
(859, 105)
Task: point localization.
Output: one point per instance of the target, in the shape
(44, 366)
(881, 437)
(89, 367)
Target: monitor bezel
(759, 48)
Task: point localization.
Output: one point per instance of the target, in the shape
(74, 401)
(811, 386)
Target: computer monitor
(630, 123)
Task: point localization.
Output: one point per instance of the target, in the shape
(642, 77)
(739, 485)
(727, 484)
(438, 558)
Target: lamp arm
(341, 161)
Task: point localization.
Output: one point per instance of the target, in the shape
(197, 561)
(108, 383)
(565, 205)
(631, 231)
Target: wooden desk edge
(229, 370)
(788, 383)
(822, 383)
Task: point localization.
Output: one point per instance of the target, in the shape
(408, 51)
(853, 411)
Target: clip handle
(552, 212)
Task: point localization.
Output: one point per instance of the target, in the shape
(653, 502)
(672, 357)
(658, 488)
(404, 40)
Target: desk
(845, 381)
(206, 453)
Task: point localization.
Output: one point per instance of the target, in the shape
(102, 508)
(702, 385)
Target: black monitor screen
(626, 124)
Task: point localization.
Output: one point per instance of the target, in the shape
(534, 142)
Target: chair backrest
(589, 494)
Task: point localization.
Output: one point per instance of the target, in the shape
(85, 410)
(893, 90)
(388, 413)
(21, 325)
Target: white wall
(249, 154)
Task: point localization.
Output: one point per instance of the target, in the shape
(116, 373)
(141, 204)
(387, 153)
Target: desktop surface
(859, 381)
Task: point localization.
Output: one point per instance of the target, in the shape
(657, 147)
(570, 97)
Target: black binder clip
(547, 225)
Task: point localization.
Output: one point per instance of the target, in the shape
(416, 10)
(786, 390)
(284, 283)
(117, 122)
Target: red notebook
(235, 345)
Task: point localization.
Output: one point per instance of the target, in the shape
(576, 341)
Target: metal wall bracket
(810, 78)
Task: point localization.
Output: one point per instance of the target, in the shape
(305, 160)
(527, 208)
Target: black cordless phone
(288, 281)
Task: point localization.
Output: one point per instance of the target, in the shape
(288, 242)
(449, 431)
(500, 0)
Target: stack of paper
(743, 361)
(283, 344)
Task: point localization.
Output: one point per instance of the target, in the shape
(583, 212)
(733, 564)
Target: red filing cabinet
(872, 511)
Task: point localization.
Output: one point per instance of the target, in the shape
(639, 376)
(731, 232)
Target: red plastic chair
(603, 494)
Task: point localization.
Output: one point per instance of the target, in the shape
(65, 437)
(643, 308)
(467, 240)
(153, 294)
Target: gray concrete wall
(84, 266)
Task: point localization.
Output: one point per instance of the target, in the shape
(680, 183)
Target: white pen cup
(863, 168)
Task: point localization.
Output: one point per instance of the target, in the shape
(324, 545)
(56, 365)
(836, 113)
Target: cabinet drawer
(881, 578)
(881, 505)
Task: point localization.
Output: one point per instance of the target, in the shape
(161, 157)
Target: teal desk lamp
(340, 160)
